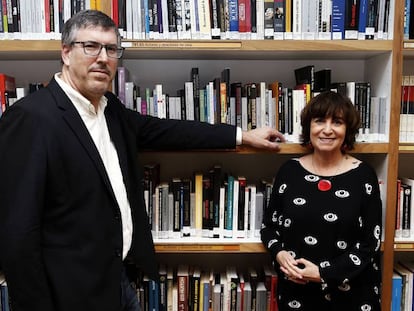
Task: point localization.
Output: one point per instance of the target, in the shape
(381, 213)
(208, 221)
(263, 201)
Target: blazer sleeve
(164, 134)
(23, 167)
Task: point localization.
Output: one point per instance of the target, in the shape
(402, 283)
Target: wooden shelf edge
(209, 247)
(285, 148)
(262, 45)
(404, 246)
(50, 49)
(406, 148)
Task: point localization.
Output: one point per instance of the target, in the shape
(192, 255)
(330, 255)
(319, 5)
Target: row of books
(208, 19)
(403, 286)
(407, 109)
(192, 288)
(254, 104)
(404, 224)
(4, 294)
(210, 205)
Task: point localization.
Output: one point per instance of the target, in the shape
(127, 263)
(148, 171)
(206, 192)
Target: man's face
(90, 75)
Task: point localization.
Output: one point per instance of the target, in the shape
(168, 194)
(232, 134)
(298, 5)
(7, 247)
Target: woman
(322, 226)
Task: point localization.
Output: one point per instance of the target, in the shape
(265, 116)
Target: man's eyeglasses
(93, 48)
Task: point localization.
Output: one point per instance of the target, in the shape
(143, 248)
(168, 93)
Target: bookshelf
(169, 62)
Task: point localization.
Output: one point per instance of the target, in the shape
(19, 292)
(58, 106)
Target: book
(396, 295)
(407, 285)
(183, 287)
(351, 19)
(198, 189)
(338, 19)
(7, 91)
(151, 180)
(279, 19)
(305, 75)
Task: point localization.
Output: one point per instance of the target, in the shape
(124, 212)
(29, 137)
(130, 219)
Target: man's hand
(263, 138)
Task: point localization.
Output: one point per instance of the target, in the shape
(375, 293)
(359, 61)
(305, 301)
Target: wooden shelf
(288, 148)
(404, 246)
(212, 49)
(406, 148)
(208, 246)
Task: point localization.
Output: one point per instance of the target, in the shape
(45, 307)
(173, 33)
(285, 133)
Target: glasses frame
(119, 50)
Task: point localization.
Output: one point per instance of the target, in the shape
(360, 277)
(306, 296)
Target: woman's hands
(300, 271)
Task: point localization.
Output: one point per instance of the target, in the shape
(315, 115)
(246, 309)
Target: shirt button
(117, 253)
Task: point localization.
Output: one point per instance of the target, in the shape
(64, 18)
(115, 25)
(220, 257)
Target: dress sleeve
(365, 251)
(273, 217)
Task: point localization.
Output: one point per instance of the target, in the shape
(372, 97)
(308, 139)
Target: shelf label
(182, 44)
(197, 248)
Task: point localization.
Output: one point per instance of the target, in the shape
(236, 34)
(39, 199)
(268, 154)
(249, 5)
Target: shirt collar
(81, 103)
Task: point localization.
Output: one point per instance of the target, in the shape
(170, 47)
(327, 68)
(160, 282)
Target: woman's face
(327, 134)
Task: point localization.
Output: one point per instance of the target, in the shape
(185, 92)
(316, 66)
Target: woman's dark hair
(335, 105)
(85, 19)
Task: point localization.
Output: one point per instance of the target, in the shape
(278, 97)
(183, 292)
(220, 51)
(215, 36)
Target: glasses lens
(112, 50)
(92, 48)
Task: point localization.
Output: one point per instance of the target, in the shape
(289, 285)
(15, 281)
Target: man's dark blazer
(60, 225)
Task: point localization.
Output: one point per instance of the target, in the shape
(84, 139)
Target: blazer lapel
(115, 132)
(74, 121)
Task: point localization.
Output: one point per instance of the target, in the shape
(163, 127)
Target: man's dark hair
(85, 19)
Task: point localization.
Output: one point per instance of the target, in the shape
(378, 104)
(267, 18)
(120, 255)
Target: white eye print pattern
(377, 231)
(344, 287)
(341, 244)
(368, 188)
(311, 178)
(366, 307)
(355, 259)
(310, 240)
(282, 188)
(292, 253)
(299, 201)
(294, 304)
(342, 194)
(274, 217)
(287, 223)
(271, 242)
(330, 217)
(325, 264)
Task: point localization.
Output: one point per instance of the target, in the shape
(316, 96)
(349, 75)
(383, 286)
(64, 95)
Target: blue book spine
(396, 292)
(363, 13)
(338, 19)
(206, 297)
(233, 15)
(147, 19)
(407, 12)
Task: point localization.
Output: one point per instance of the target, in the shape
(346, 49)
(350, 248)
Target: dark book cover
(195, 78)
(322, 80)
(236, 93)
(279, 18)
(305, 75)
(215, 20)
(351, 19)
(217, 180)
(175, 186)
(150, 181)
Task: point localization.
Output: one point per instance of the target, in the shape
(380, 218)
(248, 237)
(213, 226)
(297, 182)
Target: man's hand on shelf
(263, 138)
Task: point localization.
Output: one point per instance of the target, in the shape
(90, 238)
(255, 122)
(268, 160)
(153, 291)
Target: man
(71, 201)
